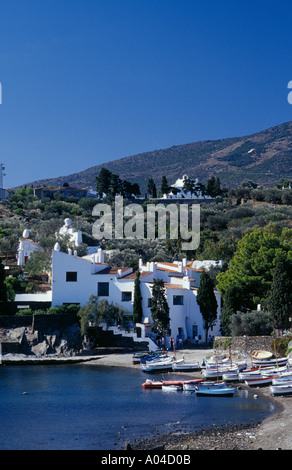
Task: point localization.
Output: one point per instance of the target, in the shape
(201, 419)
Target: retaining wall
(244, 344)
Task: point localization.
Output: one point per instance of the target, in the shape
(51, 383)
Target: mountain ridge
(263, 157)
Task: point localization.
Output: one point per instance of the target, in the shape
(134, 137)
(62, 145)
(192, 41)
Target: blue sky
(88, 81)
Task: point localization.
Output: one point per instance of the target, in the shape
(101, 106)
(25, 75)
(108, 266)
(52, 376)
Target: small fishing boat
(275, 362)
(259, 354)
(136, 358)
(158, 365)
(218, 389)
(154, 356)
(282, 379)
(182, 366)
(260, 381)
(214, 373)
(154, 384)
(271, 370)
(281, 390)
(231, 376)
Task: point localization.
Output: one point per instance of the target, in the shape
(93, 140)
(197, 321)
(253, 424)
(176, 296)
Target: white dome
(68, 222)
(57, 247)
(25, 233)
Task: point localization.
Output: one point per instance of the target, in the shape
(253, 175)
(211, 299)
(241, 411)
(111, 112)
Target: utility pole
(2, 174)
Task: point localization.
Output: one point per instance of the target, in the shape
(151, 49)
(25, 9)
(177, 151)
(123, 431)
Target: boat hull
(156, 384)
(184, 367)
(215, 392)
(282, 361)
(260, 381)
(281, 390)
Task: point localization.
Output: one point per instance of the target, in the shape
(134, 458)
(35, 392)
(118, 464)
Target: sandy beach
(273, 433)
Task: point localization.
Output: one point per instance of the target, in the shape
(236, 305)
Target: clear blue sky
(88, 81)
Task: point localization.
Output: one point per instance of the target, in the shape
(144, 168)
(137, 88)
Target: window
(178, 300)
(103, 289)
(71, 276)
(149, 302)
(126, 296)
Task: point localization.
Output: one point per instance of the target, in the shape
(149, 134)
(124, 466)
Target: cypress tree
(151, 188)
(164, 185)
(280, 299)
(137, 303)
(207, 301)
(159, 308)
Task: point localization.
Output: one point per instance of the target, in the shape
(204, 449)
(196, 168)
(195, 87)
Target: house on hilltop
(65, 191)
(178, 190)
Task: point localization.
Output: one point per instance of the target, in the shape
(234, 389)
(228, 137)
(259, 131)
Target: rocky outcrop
(26, 340)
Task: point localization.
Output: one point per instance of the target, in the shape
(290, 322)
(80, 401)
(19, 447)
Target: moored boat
(231, 376)
(214, 389)
(181, 366)
(281, 379)
(214, 373)
(158, 365)
(154, 384)
(260, 381)
(274, 362)
(281, 390)
(260, 354)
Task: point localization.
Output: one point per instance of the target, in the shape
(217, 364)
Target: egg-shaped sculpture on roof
(57, 247)
(25, 233)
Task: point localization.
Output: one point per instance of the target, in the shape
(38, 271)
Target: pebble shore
(274, 433)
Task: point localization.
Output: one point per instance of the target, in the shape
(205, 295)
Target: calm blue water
(83, 407)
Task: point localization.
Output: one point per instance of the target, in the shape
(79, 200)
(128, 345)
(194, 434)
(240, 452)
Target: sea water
(89, 407)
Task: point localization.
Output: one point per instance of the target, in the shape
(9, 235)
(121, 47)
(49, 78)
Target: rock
(40, 349)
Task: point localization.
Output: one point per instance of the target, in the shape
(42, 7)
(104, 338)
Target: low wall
(243, 344)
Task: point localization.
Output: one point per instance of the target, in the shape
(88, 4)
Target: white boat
(260, 354)
(191, 386)
(281, 361)
(282, 379)
(250, 373)
(181, 366)
(260, 381)
(273, 370)
(281, 390)
(212, 363)
(230, 376)
(158, 365)
(214, 389)
(218, 372)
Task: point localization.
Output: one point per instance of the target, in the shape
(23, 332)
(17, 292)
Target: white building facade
(26, 248)
(75, 279)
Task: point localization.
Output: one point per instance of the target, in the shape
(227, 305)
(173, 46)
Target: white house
(26, 248)
(75, 279)
(180, 193)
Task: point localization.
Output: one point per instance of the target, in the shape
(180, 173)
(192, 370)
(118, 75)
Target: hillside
(264, 158)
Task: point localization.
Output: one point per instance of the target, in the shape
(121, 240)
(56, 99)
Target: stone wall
(243, 344)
